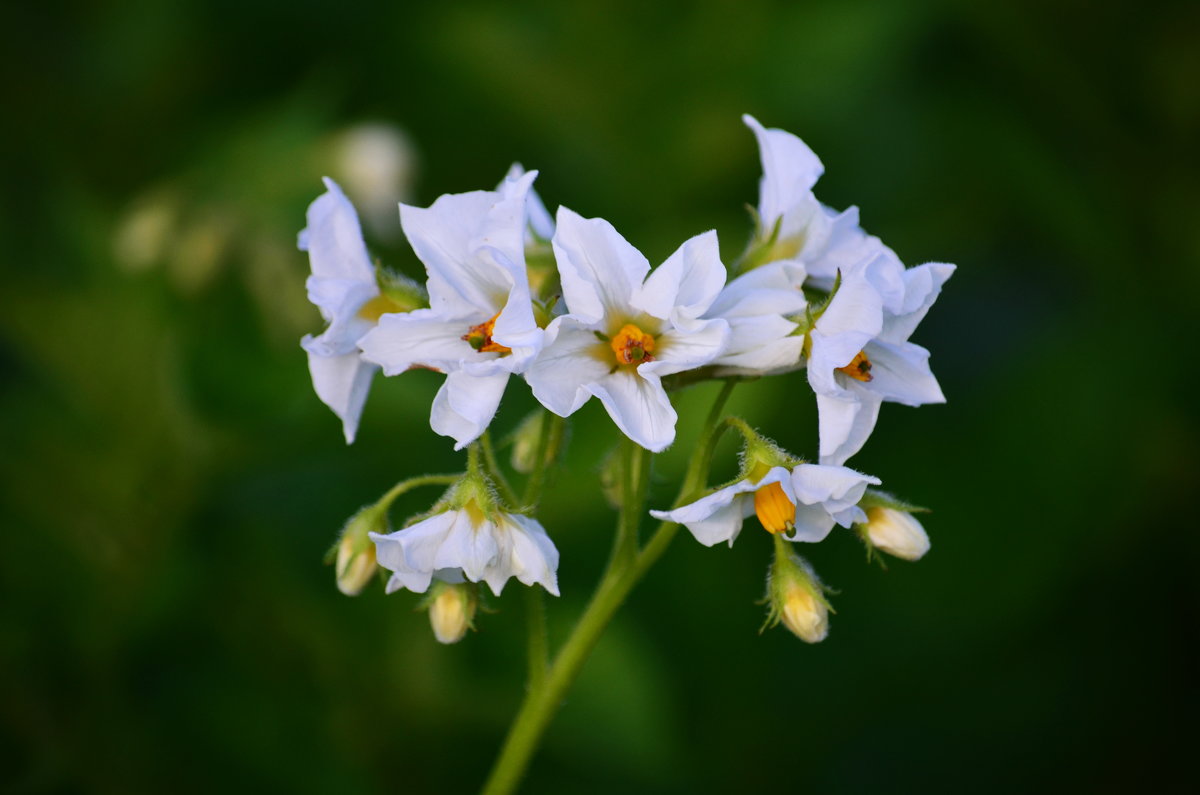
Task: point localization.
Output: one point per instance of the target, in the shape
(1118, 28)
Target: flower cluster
(570, 306)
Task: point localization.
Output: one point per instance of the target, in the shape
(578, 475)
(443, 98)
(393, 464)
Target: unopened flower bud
(896, 533)
(796, 596)
(451, 611)
(355, 562)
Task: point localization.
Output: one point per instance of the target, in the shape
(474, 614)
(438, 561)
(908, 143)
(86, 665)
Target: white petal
(922, 285)
(410, 552)
(854, 317)
(422, 337)
(468, 546)
(449, 236)
(540, 222)
(333, 238)
(571, 359)
(846, 423)
(774, 288)
(465, 405)
(598, 268)
(716, 517)
(900, 373)
(342, 383)
(825, 495)
(790, 169)
(532, 556)
(679, 349)
(687, 283)
(761, 344)
(845, 245)
(639, 406)
(339, 301)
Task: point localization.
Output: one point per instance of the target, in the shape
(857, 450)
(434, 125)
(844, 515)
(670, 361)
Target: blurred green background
(170, 481)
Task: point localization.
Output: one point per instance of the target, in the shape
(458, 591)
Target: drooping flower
(344, 287)
(472, 539)
(626, 328)
(479, 328)
(802, 503)
(859, 354)
(793, 224)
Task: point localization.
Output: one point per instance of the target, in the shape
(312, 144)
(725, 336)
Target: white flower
(480, 327)
(860, 355)
(625, 330)
(470, 542)
(824, 240)
(343, 287)
(804, 504)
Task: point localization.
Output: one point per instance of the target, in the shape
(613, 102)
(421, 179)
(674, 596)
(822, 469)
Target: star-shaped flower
(479, 328)
(860, 356)
(626, 328)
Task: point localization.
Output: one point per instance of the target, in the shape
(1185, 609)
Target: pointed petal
(342, 383)
(845, 424)
(539, 220)
(533, 556)
(639, 406)
(922, 285)
(854, 317)
(598, 268)
(900, 373)
(845, 245)
(465, 405)
(761, 344)
(716, 517)
(333, 238)
(790, 169)
(687, 283)
(571, 359)
(774, 288)
(448, 237)
(467, 546)
(421, 337)
(680, 349)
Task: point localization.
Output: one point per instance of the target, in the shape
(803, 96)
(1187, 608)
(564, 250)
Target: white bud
(451, 612)
(896, 533)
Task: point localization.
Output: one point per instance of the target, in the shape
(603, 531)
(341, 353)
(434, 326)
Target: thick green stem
(618, 580)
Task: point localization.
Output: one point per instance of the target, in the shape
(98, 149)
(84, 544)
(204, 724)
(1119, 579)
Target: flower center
(377, 306)
(480, 337)
(776, 512)
(632, 345)
(859, 368)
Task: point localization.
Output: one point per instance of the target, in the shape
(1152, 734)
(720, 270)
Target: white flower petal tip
(465, 543)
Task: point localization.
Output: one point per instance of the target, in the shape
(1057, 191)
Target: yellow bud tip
(804, 614)
(355, 565)
(631, 345)
(775, 511)
(859, 368)
(450, 614)
(480, 337)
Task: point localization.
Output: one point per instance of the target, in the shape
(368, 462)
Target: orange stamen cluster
(776, 512)
(632, 345)
(859, 368)
(480, 337)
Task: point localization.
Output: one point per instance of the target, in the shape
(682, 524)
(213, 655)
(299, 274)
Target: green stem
(494, 471)
(537, 644)
(548, 449)
(403, 486)
(618, 580)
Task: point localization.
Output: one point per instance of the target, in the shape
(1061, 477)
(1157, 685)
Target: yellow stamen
(859, 368)
(480, 337)
(632, 345)
(776, 512)
(378, 306)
